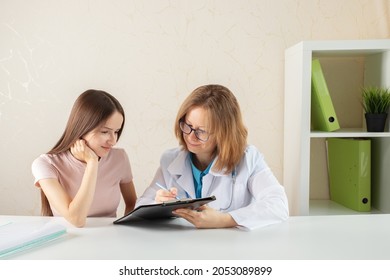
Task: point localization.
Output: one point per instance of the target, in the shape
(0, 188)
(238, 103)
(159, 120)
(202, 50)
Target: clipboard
(162, 210)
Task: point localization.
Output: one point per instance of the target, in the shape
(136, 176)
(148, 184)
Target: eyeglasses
(199, 133)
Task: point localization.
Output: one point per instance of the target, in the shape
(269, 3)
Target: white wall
(151, 55)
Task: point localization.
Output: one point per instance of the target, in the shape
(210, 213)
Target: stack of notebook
(19, 236)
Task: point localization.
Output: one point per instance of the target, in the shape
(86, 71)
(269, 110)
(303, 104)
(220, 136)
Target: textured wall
(150, 55)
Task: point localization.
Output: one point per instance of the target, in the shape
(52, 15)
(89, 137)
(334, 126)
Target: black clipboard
(162, 210)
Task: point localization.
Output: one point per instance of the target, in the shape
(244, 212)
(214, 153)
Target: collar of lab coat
(180, 168)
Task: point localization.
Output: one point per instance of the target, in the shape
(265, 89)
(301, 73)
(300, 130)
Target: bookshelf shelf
(348, 66)
(349, 133)
(329, 207)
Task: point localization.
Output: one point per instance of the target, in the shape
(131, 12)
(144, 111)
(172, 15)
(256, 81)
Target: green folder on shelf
(323, 114)
(349, 166)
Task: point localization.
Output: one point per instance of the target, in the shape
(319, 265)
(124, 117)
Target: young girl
(83, 175)
(214, 159)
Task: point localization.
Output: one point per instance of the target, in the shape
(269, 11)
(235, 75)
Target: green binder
(323, 115)
(349, 166)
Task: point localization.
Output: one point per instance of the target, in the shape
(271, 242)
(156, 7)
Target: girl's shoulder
(45, 162)
(50, 158)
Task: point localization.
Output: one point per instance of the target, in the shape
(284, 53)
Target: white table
(301, 237)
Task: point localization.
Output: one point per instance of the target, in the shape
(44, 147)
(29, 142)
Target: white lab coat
(251, 194)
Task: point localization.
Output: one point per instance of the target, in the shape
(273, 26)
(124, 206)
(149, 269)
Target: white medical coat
(251, 194)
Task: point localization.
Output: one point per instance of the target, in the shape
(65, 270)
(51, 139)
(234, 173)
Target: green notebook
(349, 166)
(323, 115)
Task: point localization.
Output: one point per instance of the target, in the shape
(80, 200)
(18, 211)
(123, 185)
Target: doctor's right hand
(166, 195)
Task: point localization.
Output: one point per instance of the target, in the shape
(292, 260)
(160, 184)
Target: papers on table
(18, 236)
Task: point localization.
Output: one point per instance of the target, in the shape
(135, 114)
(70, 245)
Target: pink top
(114, 169)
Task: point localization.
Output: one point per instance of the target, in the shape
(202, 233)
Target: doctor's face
(198, 121)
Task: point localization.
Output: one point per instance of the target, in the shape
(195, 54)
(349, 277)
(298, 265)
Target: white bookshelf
(347, 65)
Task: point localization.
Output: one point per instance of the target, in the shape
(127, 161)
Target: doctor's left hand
(206, 217)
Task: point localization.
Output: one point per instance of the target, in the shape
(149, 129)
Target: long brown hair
(91, 109)
(225, 123)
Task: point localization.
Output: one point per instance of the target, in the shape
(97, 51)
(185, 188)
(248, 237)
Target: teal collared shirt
(198, 177)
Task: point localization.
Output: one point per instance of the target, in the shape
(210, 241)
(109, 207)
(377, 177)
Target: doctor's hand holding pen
(164, 194)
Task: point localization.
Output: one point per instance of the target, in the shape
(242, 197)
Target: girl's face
(197, 119)
(104, 137)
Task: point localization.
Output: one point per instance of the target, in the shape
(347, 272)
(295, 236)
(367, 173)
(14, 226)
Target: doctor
(214, 159)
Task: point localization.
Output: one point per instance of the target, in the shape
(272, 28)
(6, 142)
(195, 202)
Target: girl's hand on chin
(82, 152)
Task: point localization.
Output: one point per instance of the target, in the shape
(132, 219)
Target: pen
(164, 188)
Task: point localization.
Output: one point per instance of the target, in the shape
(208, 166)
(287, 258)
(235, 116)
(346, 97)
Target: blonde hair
(225, 123)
